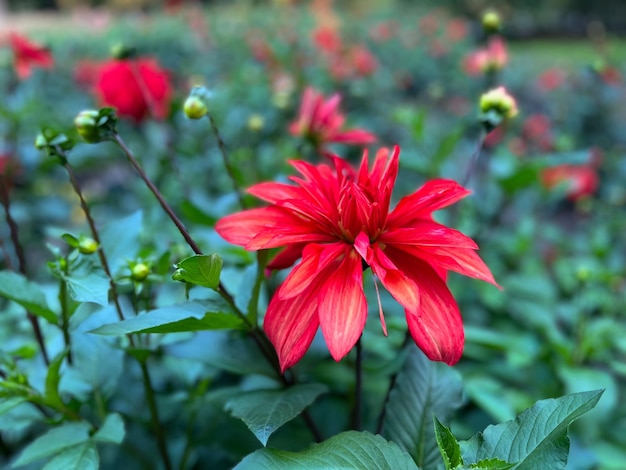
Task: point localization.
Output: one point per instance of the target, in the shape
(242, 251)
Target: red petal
(355, 137)
(275, 192)
(434, 195)
(291, 325)
(286, 257)
(343, 308)
(436, 326)
(268, 227)
(427, 233)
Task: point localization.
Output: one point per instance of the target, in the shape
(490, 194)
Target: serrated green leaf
(448, 446)
(54, 441)
(8, 403)
(88, 287)
(52, 396)
(187, 316)
(200, 270)
(81, 457)
(346, 451)
(424, 389)
(264, 411)
(15, 287)
(112, 430)
(492, 464)
(537, 438)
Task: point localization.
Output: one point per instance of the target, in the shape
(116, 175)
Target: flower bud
(87, 245)
(255, 123)
(121, 51)
(496, 106)
(87, 125)
(139, 272)
(195, 107)
(491, 22)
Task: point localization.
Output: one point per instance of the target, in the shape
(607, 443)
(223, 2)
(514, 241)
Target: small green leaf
(52, 396)
(535, 439)
(201, 270)
(448, 446)
(424, 389)
(187, 316)
(80, 457)
(15, 287)
(264, 411)
(346, 451)
(71, 240)
(112, 430)
(54, 441)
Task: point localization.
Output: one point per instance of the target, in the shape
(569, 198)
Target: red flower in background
(579, 181)
(27, 55)
(327, 39)
(493, 57)
(321, 121)
(136, 88)
(551, 79)
(336, 219)
(537, 130)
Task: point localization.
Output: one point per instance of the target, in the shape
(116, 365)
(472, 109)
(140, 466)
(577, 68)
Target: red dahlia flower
(28, 55)
(321, 122)
(579, 181)
(136, 88)
(338, 220)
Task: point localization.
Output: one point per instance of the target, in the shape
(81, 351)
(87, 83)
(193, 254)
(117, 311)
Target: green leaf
(52, 396)
(201, 270)
(424, 389)
(81, 457)
(448, 446)
(350, 450)
(490, 464)
(120, 239)
(535, 439)
(88, 287)
(112, 430)
(187, 316)
(8, 403)
(70, 239)
(264, 411)
(15, 287)
(193, 213)
(446, 147)
(54, 441)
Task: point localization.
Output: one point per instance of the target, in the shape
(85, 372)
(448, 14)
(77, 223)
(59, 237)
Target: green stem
(65, 319)
(226, 160)
(474, 158)
(154, 413)
(358, 388)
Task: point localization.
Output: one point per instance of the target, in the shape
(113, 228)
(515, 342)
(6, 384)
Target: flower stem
(474, 159)
(226, 160)
(65, 319)
(94, 233)
(21, 258)
(154, 413)
(358, 388)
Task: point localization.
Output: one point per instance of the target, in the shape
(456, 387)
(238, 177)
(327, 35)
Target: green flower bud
(87, 126)
(195, 107)
(256, 123)
(491, 22)
(87, 245)
(496, 106)
(121, 51)
(139, 272)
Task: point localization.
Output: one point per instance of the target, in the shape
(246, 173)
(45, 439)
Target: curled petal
(428, 233)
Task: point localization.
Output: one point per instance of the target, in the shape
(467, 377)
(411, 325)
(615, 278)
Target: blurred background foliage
(559, 324)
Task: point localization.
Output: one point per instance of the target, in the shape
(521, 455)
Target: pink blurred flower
(320, 121)
(456, 29)
(551, 79)
(327, 39)
(493, 57)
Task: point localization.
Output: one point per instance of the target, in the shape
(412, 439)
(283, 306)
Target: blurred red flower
(137, 88)
(337, 220)
(456, 29)
(578, 181)
(493, 57)
(327, 39)
(27, 55)
(551, 79)
(320, 121)
(537, 130)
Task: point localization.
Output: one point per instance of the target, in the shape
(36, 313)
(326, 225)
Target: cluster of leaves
(557, 327)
